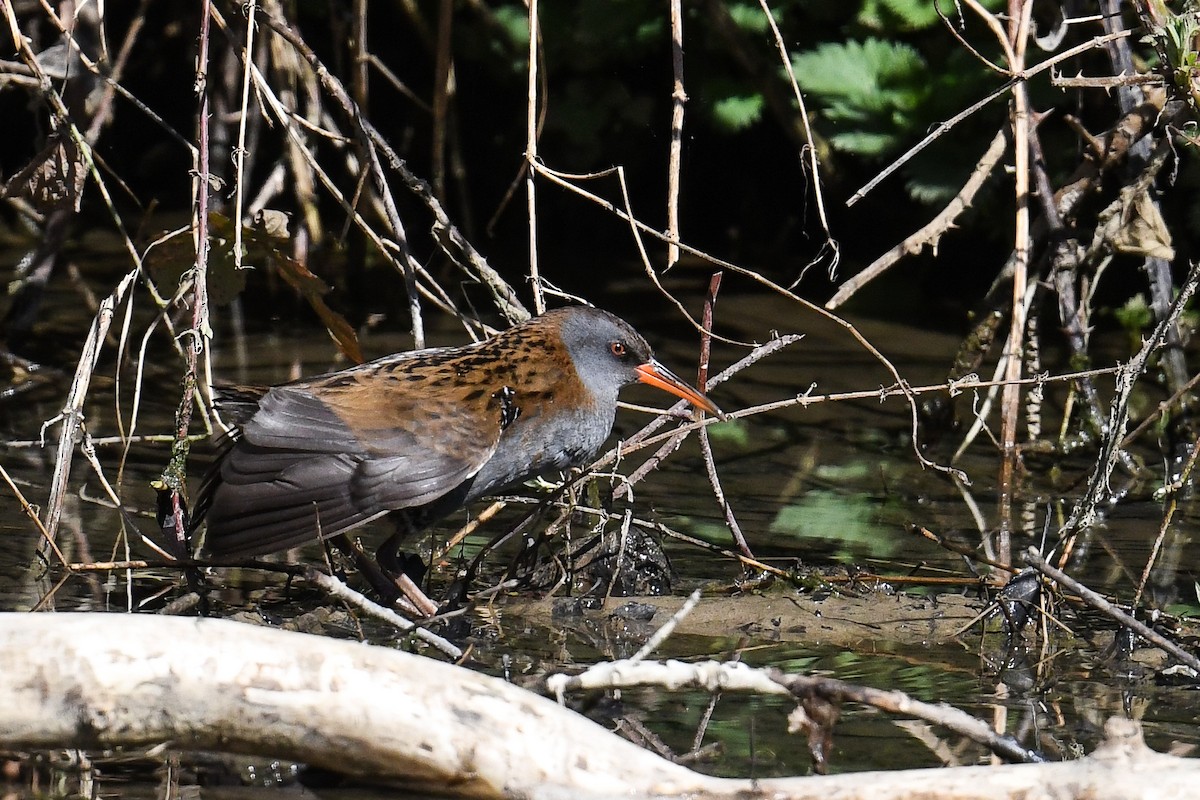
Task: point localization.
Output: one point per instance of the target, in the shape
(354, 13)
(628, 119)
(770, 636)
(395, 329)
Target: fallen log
(100, 681)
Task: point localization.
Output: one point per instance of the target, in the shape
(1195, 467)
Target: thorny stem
(173, 477)
(1084, 510)
(678, 101)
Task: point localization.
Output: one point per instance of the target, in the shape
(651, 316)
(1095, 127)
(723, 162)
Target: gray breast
(559, 439)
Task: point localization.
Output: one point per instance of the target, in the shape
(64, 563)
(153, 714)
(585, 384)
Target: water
(829, 487)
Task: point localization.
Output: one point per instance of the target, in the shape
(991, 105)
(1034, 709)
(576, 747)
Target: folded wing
(315, 459)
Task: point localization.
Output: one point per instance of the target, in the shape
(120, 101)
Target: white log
(108, 680)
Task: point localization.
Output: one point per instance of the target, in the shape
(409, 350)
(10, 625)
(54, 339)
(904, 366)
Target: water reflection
(827, 484)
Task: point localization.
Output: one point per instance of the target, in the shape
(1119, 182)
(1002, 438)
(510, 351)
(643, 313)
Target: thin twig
(443, 87)
(706, 451)
(1172, 489)
(931, 233)
(884, 392)
(341, 591)
(200, 334)
(663, 633)
(813, 160)
(31, 512)
(239, 153)
(1010, 407)
(1118, 418)
(71, 416)
(531, 156)
(1034, 559)
(713, 676)
(619, 559)
(943, 127)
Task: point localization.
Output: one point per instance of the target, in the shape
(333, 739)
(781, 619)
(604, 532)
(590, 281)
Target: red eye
(618, 349)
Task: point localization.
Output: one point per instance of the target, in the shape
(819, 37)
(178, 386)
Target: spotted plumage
(424, 431)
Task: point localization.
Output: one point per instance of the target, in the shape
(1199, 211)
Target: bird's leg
(331, 548)
(379, 582)
(389, 556)
(389, 590)
(403, 570)
(395, 562)
(413, 594)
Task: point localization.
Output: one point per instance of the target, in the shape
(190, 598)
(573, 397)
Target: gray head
(609, 354)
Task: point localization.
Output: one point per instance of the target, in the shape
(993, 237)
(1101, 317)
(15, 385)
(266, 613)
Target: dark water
(822, 485)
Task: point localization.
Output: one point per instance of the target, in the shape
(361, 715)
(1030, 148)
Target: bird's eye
(618, 349)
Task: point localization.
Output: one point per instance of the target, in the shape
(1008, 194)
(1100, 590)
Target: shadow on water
(831, 487)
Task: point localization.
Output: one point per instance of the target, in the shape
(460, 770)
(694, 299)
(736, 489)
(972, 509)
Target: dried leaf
(273, 222)
(313, 288)
(1142, 230)
(57, 182)
(815, 718)
(263, 244)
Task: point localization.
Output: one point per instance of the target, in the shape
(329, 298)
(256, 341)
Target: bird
(421, 433)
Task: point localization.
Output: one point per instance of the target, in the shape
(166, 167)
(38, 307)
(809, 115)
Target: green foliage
(596, 33)
(1178, 37)
(514, 21)
(937, 174)
(1182, 608)
(870, 89)
(925, 188)
(734, 432)
(1135, 315)
(750, 18)
(876, 74)
(907, 15)
(735, 113)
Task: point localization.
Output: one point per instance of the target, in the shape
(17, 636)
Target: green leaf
(908, 15)
(1135, 315)
(734, 432)
(738, 113)
(872, 90)
(862, 72)
(864, 143)
(514, 20)
(750, 17)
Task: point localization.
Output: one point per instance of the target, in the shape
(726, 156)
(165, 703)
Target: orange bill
(655, 374)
